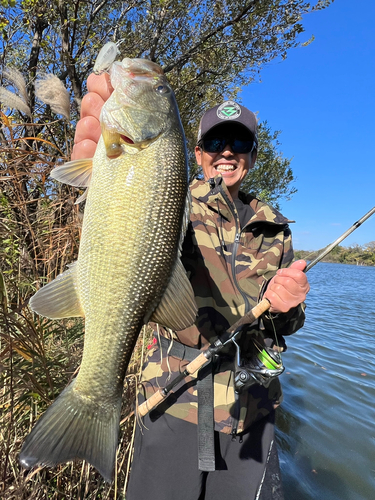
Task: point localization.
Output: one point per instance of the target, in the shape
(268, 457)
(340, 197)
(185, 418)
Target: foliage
(355, 254)
(271, 178)
(208, 49)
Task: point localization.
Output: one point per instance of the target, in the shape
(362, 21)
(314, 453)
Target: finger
(282, 303)
(91, 105)
(87, 128)
(100, 84)
(290, 273)
(277, 304)
(292, 282)
(84, 149)
(298, 264)
(286, 291)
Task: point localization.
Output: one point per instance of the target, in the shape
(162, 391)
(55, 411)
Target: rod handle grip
(151, 403)
(159, 396)
(252, 315)
(261, 308)
(196, 364)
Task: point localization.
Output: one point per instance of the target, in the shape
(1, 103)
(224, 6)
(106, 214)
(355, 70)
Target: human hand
(88, 128)
(288, 288)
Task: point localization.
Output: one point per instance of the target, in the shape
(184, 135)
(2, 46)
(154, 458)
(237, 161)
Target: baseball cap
(229, 111)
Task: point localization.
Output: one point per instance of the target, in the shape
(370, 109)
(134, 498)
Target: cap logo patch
(229, 110)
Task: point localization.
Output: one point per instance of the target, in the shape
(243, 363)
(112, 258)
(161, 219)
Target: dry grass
(39, 235)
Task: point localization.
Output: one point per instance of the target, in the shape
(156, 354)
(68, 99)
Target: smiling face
(232, 166)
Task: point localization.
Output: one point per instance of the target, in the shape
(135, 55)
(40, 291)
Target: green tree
(272, 175)
(209, 49)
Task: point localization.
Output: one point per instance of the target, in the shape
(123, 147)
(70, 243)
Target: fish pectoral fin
(75, 427)
(59, 299)
(76, 173)
(185, 219)
(177, 309)
(82, 197)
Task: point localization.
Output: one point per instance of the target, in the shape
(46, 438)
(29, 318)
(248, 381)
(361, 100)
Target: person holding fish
(236, 250)
(193, 263)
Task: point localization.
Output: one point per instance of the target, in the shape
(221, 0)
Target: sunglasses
(217, 144)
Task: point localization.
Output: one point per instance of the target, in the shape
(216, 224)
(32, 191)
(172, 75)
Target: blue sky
(322, 99)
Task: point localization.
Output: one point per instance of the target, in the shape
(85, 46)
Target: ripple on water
(326, 424)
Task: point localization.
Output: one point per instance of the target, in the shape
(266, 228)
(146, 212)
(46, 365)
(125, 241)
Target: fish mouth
(126, 139)
(114, 149)
(141, 68)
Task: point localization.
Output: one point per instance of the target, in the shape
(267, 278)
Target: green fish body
(128, 269)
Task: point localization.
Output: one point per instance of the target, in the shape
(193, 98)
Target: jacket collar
(215, 194)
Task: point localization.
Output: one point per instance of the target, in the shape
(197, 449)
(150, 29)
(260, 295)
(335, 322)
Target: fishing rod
(266, 363)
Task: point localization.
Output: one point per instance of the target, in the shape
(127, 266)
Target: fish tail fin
(75, 427)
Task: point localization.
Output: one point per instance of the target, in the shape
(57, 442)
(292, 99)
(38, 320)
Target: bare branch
(209, 35)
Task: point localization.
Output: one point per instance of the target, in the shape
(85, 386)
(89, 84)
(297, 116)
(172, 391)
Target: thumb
(298, 264)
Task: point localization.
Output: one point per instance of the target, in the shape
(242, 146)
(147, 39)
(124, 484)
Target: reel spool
(261, 369)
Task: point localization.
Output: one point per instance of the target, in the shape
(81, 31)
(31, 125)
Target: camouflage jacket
(228, 268)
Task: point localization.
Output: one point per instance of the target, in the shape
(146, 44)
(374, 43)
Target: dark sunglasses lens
(214, 145)
(217, 144)
(241, 146)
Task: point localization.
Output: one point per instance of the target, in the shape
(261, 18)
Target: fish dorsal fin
(76, 173)
(177, 309)
(59, 299)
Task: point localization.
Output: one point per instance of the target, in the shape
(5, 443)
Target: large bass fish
(128, 269)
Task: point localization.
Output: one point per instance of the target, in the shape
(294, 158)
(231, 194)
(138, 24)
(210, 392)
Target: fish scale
(128, 269)
(130, 256)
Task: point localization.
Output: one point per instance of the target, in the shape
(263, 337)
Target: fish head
(142, 106)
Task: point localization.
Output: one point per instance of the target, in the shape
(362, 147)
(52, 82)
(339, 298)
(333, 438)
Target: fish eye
(161, 89)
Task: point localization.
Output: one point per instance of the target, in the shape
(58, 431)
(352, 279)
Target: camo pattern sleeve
(227, 267)
(293, 320)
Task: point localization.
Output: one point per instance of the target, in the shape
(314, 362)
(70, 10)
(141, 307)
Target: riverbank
(357, 255)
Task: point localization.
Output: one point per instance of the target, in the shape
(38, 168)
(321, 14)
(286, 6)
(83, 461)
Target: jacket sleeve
(293, 320)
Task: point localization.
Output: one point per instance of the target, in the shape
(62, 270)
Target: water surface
(326, 425)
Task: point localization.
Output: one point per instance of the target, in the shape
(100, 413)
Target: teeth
(225, 168)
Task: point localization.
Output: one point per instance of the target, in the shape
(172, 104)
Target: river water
(326, 424)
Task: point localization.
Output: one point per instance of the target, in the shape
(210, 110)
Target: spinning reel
(264, 366)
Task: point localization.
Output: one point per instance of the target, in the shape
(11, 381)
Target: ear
(198, 155)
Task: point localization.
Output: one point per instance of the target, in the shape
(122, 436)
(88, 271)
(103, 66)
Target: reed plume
(11, 99)
(51, 90)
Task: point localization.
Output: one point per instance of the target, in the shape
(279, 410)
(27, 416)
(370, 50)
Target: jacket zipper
(237, 408)
(235, 249)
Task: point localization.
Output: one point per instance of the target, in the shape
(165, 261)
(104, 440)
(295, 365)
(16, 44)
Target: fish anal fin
(75, 427)
(75, 173)
(177, 309)
(59, 299)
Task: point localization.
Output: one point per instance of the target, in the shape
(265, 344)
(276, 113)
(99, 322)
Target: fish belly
(129, 245)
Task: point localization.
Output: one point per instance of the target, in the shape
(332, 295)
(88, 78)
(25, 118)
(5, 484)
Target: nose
(227, 150)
